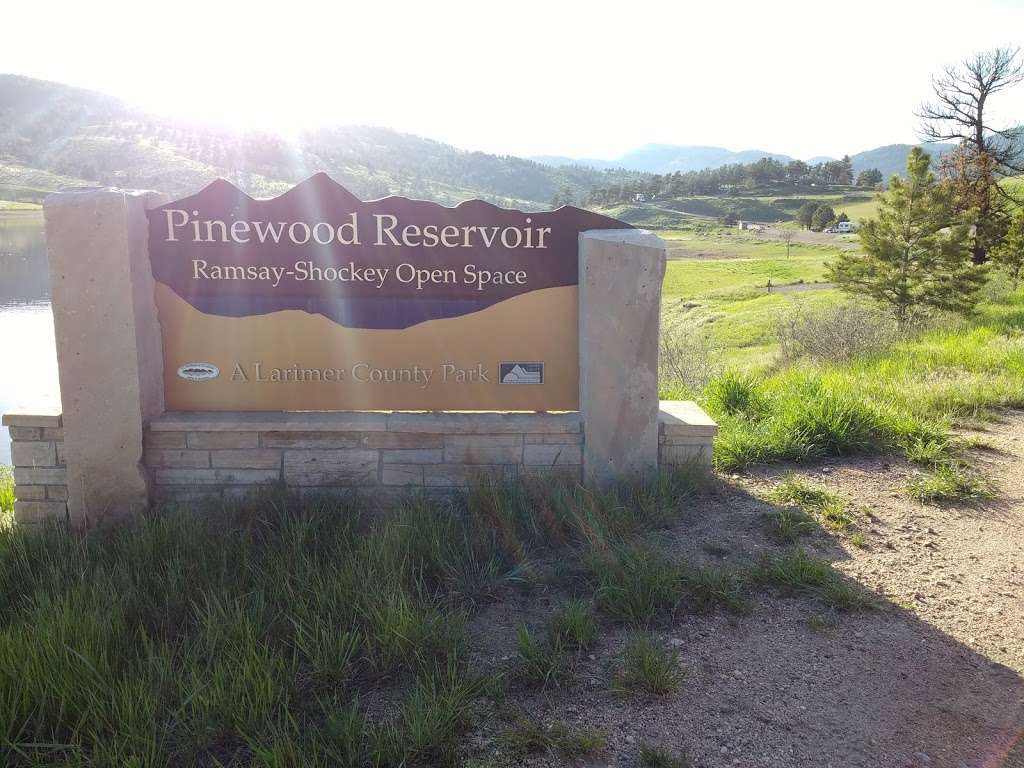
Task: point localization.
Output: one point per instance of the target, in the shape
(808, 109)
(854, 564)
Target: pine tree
(823, 217)
(1009, 254)
(916, 252)
(806, 213)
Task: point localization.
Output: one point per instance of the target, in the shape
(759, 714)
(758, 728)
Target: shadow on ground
(794, 683)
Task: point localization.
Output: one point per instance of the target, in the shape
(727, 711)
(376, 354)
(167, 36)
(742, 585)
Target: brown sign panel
(316, 300)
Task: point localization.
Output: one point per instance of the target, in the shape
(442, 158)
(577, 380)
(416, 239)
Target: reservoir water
(28, 357)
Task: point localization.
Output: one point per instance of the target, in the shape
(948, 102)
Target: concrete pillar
(108, 346)
(621, 272)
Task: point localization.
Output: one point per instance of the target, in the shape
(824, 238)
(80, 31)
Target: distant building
(639, 197)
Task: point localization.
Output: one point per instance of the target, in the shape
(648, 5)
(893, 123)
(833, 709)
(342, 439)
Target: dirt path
(934, 677)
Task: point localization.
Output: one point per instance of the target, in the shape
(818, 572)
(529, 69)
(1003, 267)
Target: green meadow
(694, 278)
(725, 293)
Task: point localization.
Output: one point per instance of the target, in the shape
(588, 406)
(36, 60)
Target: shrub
(834, 332)
(687, 359)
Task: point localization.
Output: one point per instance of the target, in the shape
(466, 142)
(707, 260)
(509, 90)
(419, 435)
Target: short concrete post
(621, 272)
(108, 345)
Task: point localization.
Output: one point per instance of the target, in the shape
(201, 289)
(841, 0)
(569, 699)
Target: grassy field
(716, 241)
(857, 210)
(725, 293)
(740, 328)
(857, 205)
(693, 278)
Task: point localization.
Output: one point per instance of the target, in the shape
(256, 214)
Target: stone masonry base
(40, 475)
(198, 456)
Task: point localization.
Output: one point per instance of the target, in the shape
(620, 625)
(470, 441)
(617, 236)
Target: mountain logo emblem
(521, 373)
(198, 371)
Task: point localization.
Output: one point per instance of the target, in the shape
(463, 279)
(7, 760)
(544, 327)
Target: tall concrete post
(620, 278)
(109, 352)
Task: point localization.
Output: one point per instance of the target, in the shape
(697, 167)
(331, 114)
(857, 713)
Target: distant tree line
(734, 178)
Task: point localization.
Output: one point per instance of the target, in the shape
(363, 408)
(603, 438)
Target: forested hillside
(54, 136)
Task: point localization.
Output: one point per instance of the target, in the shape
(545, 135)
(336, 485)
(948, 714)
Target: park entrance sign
(215, 344)
(316, 300)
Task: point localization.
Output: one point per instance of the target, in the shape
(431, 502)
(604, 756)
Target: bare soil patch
(933, 677)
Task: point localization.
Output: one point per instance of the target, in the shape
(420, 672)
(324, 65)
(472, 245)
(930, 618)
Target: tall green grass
(903, 400)
(254, 631)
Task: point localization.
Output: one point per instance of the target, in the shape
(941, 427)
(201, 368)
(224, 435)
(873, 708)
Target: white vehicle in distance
(841, 228)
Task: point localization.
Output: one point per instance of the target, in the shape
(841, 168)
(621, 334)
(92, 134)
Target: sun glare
(535, 81)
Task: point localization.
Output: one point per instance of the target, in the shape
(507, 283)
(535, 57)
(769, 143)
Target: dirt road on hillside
(933, 677)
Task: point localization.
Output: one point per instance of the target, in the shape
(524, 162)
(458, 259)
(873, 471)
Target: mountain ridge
(669, 158)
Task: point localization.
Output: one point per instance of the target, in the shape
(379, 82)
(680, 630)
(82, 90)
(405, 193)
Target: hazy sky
(524, 77)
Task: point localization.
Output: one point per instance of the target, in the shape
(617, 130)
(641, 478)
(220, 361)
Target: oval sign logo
(199, 371)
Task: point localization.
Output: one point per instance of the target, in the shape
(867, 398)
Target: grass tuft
(709, 588)
(788, 524)
(648, 667)
(810, 499)
(653, 757)
(736, 394)
(527, 736)
(951, 482)
(635, 584)
(796, 570)
(800, 572)
(573, 627)
(540, 662)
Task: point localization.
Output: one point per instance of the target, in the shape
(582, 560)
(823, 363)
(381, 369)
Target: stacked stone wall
(201, 456)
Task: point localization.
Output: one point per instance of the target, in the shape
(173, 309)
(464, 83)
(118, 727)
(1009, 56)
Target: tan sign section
(292, 360)
(316, 300)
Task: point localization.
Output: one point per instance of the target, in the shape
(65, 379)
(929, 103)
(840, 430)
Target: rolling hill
(54, 136)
